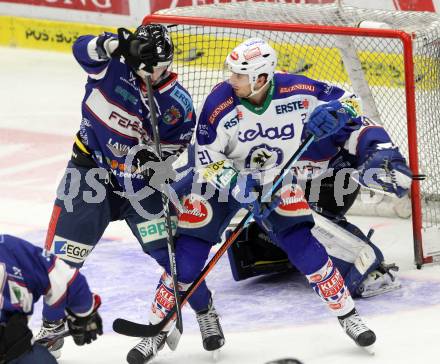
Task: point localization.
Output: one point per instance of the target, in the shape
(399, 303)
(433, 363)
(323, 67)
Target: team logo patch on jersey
(171, 116)
(293, 202)
(197, 212)
(263, 157)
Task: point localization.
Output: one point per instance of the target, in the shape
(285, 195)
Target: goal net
(389, 58)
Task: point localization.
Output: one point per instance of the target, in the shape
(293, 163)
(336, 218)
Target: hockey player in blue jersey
(99, 185)
(248, 127)
(26, 274)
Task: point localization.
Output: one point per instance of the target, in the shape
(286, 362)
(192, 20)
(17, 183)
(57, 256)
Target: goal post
(395, 70)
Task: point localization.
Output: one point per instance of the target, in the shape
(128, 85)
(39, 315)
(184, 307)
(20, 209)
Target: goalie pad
(255, 254)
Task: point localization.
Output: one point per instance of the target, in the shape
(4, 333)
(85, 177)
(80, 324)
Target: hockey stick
(130, 328)
(166, 207)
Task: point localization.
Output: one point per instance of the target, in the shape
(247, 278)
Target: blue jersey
(26, 274)
(115, 112)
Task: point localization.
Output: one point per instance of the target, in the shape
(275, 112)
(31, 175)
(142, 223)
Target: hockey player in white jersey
(248, 127)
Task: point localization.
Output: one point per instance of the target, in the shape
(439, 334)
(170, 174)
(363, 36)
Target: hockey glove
(15, 338)
(85, 329)
(328, 119)
(245, 194)
(106, 44)
(184, 167)
(385, 170)
(139, 52)
(145, 160)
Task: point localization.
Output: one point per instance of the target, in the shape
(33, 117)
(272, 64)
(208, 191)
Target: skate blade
(215, 355)
(369, 349)
(56, 353)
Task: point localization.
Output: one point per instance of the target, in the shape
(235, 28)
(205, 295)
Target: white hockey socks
(329, 284)
(164, 299)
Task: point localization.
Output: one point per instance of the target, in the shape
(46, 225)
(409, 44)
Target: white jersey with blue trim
(262, 138)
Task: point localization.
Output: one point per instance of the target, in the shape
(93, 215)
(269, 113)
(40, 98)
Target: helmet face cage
(253, 58)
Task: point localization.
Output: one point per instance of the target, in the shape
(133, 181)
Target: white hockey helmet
(253, 58)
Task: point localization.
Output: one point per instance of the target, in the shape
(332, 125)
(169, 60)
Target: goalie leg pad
(254, 253)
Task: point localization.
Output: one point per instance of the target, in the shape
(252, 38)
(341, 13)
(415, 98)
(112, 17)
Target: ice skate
(211, 330)
(51, 329)
(357, 330)
(147, 349)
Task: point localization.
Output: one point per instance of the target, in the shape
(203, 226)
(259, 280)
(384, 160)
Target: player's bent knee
(191, 255)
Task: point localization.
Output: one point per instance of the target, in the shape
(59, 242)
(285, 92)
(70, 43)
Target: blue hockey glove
(385, 170)
(184, 167)
(327, 119)
(244, 193)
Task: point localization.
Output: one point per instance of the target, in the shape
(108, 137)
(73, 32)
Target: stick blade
(129, 328)
(173, 338)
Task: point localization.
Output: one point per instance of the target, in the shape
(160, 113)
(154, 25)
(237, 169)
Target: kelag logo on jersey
(292, 106)
(263, 156)
(284, 133)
